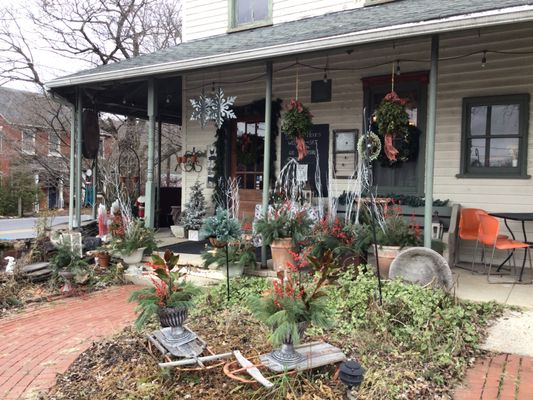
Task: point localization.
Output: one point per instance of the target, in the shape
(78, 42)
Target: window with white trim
(54, 144)
(28, 141)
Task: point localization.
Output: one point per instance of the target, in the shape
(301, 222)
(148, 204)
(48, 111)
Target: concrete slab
(522, 296)
(476, 288)
(513, 333)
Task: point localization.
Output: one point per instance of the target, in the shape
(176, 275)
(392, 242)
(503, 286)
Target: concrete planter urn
(193, 235)
(281, 253)
(178, 231)
(235, 270)
(134, 257)
(172, 320)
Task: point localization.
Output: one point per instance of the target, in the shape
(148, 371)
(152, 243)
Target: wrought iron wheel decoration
(128, 161)
(214, 108)
(190, 161)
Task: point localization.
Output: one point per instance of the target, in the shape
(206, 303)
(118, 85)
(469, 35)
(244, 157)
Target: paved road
(24, 228)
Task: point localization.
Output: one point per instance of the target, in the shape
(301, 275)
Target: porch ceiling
(393, 20)
(129, 98)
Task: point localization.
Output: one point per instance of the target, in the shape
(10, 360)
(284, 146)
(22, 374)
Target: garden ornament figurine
(11, 264)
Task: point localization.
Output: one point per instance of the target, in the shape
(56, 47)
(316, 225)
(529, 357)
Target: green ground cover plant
(416, 345)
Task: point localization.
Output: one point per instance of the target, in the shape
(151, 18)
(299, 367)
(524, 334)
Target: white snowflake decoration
(220, 107)
(202, 109)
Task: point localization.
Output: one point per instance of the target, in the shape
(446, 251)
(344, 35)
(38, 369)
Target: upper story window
(495, 131)
(28, 142)
(54, 144)
(250, 13)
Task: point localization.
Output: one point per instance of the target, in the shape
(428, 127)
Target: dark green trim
(519, 172)
(232, 22)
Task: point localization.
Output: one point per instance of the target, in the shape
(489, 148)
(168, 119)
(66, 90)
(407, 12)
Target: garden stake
(367, 128)
(227, 270)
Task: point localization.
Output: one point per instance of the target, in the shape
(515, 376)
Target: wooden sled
(201, 359)
(261, 368)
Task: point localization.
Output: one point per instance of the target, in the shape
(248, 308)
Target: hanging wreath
(375, 146)
(407, 147)
(296, 123)
(393, 122)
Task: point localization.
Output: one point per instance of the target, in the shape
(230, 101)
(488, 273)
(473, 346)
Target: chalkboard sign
(318, 138)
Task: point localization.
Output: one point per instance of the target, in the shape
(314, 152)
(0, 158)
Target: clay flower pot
(281, 253)
(103, 259)
(385, 256)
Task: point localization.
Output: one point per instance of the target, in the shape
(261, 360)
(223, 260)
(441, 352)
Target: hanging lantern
(437, 230)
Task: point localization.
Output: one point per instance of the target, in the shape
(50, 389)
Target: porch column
(430, 138)
(79, 123)
(95, 184)
(266, 151)
(149, 192)
(72, 170)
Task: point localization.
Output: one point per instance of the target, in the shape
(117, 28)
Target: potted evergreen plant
(170, 298)
(241, 255)
(284, 228)
(195, 211)
(134, 240)
(221, 228)
(288, 309)
(394, 235)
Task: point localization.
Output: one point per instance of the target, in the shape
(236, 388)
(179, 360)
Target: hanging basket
(392, 122)
(297, 122)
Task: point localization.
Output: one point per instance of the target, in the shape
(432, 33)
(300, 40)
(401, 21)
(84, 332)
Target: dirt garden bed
(418, 345)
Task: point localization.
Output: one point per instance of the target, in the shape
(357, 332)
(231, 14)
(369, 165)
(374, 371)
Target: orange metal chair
(488, 236)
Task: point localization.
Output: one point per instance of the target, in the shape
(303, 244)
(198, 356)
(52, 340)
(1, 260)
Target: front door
(247, 144)
(406, 177)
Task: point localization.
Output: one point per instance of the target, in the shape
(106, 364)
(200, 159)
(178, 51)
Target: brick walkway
(39, 343)
(499, 377)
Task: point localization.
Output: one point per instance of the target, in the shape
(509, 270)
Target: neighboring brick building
(33, 136)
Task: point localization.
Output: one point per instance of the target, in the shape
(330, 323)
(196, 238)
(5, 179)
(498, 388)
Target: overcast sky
(51, 65)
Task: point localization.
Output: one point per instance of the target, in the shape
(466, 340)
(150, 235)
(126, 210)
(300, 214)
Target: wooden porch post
(79, 124)
(72, 170)
(149, 193)
(266, 151)
(95, 185)
(430, 140)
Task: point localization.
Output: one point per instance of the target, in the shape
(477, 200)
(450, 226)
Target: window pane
(241, 128)
(504, 119)
(477, 152)
(478, 120)
(247, 11)
(260, 10)
(261, 129)
(243, 11)
(503, 152)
